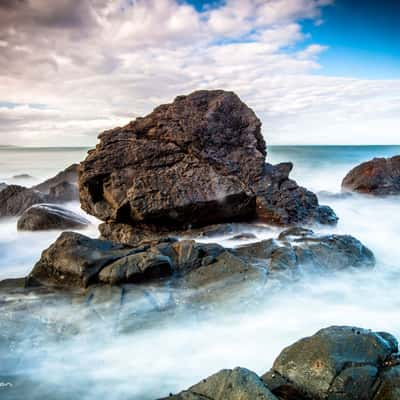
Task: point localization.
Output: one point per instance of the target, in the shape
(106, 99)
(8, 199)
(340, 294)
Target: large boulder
(186, 163)
(378, 177)
(50, 216)
(15, 199)
(199, 160)
(339, 362)
(236, 384)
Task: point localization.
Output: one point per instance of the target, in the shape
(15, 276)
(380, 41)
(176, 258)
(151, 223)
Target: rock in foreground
(236, 384)
(199, 160)
(50, 216)
(76, 261)
(337, 363)
(378, 177)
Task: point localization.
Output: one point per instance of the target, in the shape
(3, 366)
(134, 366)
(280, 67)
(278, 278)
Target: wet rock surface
(75, 260)
(378, 177)
(299, 249)
(50, 216)
(236, 384)
(199, 160)
(339, 362)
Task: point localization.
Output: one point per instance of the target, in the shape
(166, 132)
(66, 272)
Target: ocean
(151, 363)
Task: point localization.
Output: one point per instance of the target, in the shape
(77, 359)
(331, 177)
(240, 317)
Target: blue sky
(362, 37)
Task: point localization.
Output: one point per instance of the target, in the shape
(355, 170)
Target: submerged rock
(236, 384)
(199, 160)
(339, 362)
(50, 216)
(378, 177)
(14, 200)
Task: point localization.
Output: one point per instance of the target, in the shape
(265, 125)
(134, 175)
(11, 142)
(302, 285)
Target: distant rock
(339, 362)
(197, 161)
(50, 216)
(3, 185)
(63, 192)
(22, 176)
(378, 177)
(70, 175)
(14, 200)
(236, 384)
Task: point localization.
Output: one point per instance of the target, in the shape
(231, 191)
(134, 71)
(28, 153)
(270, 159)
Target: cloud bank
(72, 68)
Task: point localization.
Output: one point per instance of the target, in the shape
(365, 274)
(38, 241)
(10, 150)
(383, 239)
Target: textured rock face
(186, 163)
(14, 200)
(300, 249)
(236, 384)
(74, 261)
(379, 177)
(197, 161)
(50, 216)
(335, 363)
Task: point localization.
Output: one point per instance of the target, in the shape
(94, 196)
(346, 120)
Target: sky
(315, 71)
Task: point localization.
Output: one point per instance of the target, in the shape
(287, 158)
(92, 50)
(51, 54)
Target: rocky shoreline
(165, 186)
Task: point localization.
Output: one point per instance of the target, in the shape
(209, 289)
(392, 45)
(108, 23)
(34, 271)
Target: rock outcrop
(76, 261)
(63, 192)
(14, 200)
(298, 250)
(50, 216)
(378, 177)
(236, 384)
(199, 160)
(337, 363)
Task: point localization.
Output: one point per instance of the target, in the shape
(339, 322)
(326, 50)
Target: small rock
(50, 216)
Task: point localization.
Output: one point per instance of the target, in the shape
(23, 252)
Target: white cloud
(100, 63)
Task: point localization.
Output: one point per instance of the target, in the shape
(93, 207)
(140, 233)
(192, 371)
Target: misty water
(77, 356)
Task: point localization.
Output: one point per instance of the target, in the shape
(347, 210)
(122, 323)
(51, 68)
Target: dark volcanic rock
(74, 261)
(336, 363)
(378, 177)
(281, 201)
(64, 191)
(186, 163)
(70, 175)
(14, 200)
(197, 161)
(297, 247)
(49, 216)
(236, 384)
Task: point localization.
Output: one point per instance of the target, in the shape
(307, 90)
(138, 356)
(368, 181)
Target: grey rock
(50, 216)
(236, 384)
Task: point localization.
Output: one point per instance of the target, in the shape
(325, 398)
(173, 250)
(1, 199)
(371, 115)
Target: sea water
(168, 357)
